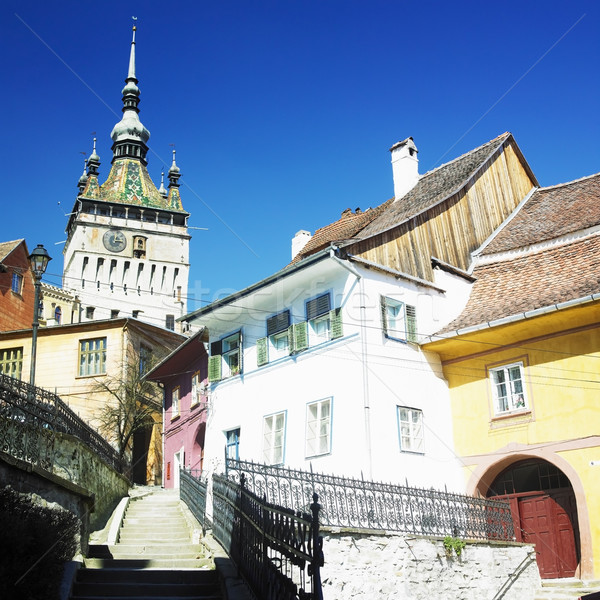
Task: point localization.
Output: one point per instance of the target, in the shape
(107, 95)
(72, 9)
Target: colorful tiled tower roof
(129, 181)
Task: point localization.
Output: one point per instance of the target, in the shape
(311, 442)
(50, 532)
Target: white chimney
(299, 241)
(405, 167)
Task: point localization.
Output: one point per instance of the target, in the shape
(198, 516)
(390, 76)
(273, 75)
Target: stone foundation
(368, 566)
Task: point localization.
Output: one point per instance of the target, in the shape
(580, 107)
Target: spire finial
(93, 161)
(162, 190)
(174, 173)
(131, 72)
(84, 176)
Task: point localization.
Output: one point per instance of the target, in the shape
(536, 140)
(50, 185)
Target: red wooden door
(548, 525)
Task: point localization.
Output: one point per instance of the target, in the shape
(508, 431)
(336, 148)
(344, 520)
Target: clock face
(114, 240)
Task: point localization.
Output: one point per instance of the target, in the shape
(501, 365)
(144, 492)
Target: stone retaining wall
(372, 566)
(77, 463)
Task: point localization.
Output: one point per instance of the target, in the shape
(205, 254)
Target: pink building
(183, 375)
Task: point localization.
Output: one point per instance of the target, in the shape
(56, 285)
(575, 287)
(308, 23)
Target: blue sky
(282, 112)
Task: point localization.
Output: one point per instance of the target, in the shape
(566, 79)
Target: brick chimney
(405, 167)
(299, 241)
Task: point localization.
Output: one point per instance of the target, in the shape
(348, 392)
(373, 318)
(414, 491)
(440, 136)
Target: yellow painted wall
(562, 378)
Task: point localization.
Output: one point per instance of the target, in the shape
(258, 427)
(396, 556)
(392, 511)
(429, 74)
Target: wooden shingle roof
(436, 186)
(7, 247)
(551, 212)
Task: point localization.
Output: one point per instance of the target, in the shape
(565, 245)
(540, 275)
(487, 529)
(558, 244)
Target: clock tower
(127, 249)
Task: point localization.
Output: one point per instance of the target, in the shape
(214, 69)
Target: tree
(132, 404)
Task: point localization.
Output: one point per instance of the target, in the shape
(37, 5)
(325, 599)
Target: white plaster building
(127, 249)
(318, 364)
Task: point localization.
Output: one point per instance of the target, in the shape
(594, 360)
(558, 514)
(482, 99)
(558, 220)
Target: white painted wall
(366, 374)
(167, 249)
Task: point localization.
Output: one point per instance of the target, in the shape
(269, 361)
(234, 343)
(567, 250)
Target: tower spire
(130, 137)
(174, 173)
(84, 177)
(93, 161)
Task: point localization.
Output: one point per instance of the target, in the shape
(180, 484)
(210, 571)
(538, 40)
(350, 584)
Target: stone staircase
(155, 557)
(566, 589)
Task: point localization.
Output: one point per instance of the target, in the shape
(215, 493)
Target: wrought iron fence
(193, 491)
(361, 504)
(29, 418)
(278, 550)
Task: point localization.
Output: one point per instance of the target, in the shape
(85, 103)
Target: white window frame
(232, 442)
(195, 389)
(396, 318)
(231, 356)
(410, 430)
(17, 283)
(175, 402)
(92, 357)
(513, 397)
(277, 349)
(274, 426)
(319, 330)
(318, 428)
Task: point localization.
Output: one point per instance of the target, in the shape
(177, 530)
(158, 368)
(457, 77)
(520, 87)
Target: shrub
(37, 541)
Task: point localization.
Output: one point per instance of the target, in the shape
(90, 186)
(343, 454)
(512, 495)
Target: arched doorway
(198, 448)
(544, 513)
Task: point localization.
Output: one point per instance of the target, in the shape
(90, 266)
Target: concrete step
(134, 537)
(568, 588)
(166, 549)
(196, 576)
(148, 563)
(145, 590)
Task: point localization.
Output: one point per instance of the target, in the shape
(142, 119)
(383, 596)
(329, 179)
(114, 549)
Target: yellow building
(522, 364)
(77, 361)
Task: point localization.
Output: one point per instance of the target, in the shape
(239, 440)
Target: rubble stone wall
(368, 566)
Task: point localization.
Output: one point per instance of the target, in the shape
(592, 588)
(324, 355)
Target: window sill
(509, 414)
(175, 417)
(90, 376)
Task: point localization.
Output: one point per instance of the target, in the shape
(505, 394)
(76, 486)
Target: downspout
(364, 358)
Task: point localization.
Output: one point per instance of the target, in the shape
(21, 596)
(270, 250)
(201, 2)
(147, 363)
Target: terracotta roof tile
(435, 186)
(345, 228)
(550, 213)
(531, 281)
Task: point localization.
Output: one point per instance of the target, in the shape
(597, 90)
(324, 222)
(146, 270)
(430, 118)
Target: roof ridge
(566, 183)
(462, 156)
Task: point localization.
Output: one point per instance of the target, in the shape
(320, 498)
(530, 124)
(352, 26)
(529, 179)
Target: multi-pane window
(92, 357)
(170, 322)
(17, 283)
(231, 353)
(508, 390)
(195, 389)
(410, 426)
(175, 402)
(317, 315)
(398, 320)
(225, 357)
(11, 362)
(145, 359)
(232, 441)
(274, 438)
(318, 428)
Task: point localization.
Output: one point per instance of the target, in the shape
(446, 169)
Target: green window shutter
(262, 353)
(384, 323)
(291, 345)
(337, 327)
(411, 323)
(300, 336)
(214, 368)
